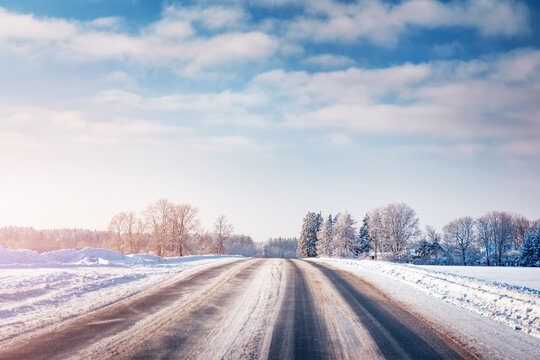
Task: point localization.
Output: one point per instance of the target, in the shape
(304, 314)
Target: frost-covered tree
(504, 231)
(522, 227)
(496, 231)
(280, 248)
(222, 231)
(344, 236)
(324, 238)
(429, 248)
(459, 234)
(530, 251)
(393, 227)
(401, 225)
(485, 237)
(364, 242)
(376, 229)
(240, 245)
(307, 242)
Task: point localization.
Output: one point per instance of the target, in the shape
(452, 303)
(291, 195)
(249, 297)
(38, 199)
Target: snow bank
(86, 256)
(516, 306)
(41, 290)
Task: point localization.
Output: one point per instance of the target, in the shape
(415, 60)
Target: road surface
(249, 309)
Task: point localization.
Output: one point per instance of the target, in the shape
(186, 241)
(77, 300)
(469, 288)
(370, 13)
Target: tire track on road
(64, 342)
(298, 332)
(191, 333)
(398, 333)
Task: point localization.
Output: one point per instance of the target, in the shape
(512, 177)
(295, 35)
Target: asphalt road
(250, 309)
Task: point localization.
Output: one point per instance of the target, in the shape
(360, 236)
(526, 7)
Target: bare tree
(141, 235)
(432, 236)
(116, 231)
(496, 231)
(184, 222)
(158, 217)
(522, 226)
(130, 231)
(222, 230)
(484, 229)
(503, 231)
(204, 241)
(460, 234)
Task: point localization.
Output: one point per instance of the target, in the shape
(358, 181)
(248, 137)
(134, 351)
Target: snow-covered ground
(505, 300)
(37, 290)
(517, 276)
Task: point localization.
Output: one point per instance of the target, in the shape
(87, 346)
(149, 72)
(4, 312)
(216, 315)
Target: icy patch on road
(38, 290)
(515, 306)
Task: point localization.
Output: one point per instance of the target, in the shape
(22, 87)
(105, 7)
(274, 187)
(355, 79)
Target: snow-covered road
(99, 304)
(252, 308)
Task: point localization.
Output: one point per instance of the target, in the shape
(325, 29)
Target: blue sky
(263, 110)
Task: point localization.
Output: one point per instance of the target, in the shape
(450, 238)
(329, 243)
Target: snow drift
(86, 256)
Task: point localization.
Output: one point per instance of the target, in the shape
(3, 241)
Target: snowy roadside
(39, 290)
(515, 306)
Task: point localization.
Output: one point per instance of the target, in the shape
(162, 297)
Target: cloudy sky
(263, 110)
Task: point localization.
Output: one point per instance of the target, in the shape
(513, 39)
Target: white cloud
(27, 27)
(494, 98)
(212, 17)
(465, 149)
(53, 127)
(523, 147)
(120, 77)
(170, 29)
(110, 22)
(201, 102)
(329, 60)
(382, 22)
(351, 86)
(171, 41)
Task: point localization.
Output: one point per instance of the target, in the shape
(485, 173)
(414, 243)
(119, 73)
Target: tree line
(167, 229)
(162, 228)
(17, 237)
(392, 233)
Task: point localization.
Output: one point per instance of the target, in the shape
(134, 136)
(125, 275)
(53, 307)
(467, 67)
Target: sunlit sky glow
(263, 110)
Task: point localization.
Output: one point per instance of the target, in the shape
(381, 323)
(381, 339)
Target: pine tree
(530, 251)
(307, 242)
(364, 240)
(324, 238)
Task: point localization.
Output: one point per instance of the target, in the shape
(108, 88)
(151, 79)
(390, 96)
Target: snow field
(516, 276)
(38, 290)
(515, 306)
